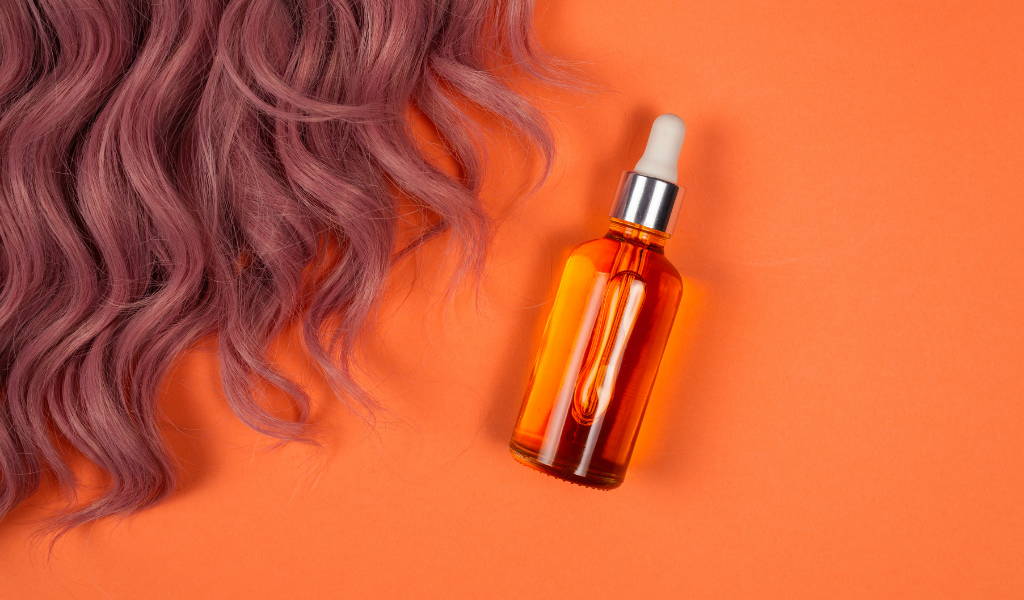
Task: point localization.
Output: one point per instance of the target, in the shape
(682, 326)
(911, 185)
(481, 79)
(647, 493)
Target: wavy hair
(180, 169)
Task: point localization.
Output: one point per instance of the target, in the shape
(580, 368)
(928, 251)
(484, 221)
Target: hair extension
(185, 168)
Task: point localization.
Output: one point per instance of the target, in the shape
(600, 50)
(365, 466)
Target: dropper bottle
(607, 330)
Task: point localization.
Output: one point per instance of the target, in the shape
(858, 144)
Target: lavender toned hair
(176, 169)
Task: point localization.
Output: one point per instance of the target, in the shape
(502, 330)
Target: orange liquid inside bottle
(599, 357)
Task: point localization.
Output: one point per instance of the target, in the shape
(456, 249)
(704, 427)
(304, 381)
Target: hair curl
(184, 168)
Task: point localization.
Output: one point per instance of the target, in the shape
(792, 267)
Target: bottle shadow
(680, 409)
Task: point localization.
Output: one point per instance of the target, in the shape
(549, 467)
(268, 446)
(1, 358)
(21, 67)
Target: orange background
(839, 413)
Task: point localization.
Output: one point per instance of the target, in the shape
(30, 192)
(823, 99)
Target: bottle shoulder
(599, 254)
(669, 268)
(593, 248)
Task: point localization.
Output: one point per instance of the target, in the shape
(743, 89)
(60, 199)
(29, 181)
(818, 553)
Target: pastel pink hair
(177, 169)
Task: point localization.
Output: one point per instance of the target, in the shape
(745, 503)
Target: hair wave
(177, 169)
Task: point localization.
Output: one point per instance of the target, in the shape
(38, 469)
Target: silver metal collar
(646, 201)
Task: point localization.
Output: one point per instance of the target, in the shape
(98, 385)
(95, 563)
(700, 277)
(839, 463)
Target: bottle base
(590, 480)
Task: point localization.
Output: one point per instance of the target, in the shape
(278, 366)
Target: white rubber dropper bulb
(661, 157)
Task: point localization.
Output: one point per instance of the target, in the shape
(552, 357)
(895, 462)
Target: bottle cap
(648, 194)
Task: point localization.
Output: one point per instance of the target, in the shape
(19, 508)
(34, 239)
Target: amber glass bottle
(606, 332)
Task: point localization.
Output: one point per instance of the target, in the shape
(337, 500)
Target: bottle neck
(646, 201)
(636, 234)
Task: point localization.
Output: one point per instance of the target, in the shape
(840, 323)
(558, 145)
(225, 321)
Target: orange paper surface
(841, 410)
